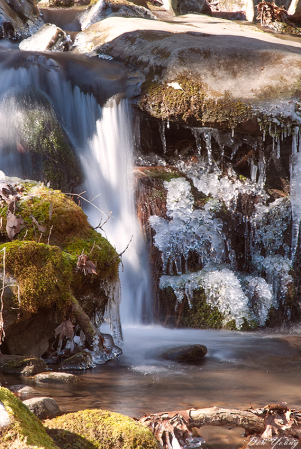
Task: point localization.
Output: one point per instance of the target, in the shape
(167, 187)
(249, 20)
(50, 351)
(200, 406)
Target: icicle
(262, 169)
(198, 140)
(162, 135)
(167, 124)
(278, 149)
(207, 138)
(263, 136)
(294, 140)
(232, 133)
(254, 168)
(295, 196)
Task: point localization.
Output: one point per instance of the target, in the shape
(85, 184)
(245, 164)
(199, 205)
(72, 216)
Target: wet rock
(43, 408)
(48, 38)
(191, 6)
(19, 19)
(22, 391)
(104, 8)
(57, 3)
(82, 360)
(56, 377)
(186, 354)
(27, 366)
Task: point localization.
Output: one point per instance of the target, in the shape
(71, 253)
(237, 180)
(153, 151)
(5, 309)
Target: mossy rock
(99, 429)
(25, 429)
(189, 104)
(28, 366)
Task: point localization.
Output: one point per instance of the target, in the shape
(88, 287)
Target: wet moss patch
(189, 104)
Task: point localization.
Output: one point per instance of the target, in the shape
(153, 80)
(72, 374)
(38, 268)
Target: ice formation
(270, 232)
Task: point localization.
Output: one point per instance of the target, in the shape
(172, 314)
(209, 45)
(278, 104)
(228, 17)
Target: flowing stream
(240, 368)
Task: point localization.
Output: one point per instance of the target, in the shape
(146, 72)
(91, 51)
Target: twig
(120, 254)
(88, 201)
(2, 333)
(49, 234)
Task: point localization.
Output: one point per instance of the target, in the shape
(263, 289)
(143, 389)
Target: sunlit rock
(56, 377)
(48, 38)
(43, 407)
(104, 8)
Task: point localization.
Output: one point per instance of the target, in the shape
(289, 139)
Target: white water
(108, 173)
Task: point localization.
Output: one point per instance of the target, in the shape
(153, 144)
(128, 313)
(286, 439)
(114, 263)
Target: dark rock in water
(54, 377)
(43, 407)
(186, 354)
(18, 19)
(193, 7)
(27, 366)
(48, 38)
(82, 360)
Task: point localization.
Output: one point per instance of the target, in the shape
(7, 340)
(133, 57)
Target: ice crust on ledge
(231, 293)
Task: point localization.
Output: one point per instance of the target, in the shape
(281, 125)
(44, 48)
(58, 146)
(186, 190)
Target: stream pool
(239, 370)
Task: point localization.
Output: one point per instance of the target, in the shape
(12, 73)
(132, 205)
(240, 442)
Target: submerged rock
(100, 428)
(186, 354)
(43, 408)
(22, 391)
(56, 377)
(48, 38)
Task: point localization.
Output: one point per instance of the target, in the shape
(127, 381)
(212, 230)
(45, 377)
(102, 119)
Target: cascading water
(101, 139)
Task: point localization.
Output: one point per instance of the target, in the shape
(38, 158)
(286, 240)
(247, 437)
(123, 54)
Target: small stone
(48, 38)
(22, 390)
(186, 354)
(43, 407)
(55, 377)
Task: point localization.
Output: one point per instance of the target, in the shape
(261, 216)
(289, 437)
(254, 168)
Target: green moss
(166, 174)
(201, 314)
(43, 272)
(25, 427)
(100, 429)
(19, 362)
(191, 105)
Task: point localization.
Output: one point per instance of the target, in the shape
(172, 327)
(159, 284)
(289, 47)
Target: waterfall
(100, 135)
(108, 172)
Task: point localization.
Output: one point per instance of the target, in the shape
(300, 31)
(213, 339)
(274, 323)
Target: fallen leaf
(65, 329)
(13, 225)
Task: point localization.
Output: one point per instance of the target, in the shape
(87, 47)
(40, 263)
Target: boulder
(19, 19)
(22, 427)
(100, 429)
(104, 8)
(191, 7)
(43, 408)
(186, 354)
(27, 366)
(56, 377)
(48, 38)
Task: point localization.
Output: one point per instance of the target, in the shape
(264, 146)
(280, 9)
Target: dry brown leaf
(85, 265)
(41, 228)
(14, 225)
(65, 329)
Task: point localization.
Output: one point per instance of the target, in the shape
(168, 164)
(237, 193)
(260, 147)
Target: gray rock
(43, 407)
(48, 38)
(55, 377)
(104, 8)
(191, 6)
(22, 390)
(186, 354)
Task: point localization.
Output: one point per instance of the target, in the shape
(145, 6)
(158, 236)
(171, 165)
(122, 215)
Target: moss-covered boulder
(99, 429)
(27, 366)
(44, 284)
(25, 429)
(41, 148)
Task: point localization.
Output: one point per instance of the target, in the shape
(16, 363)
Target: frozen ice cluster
(245, 292)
